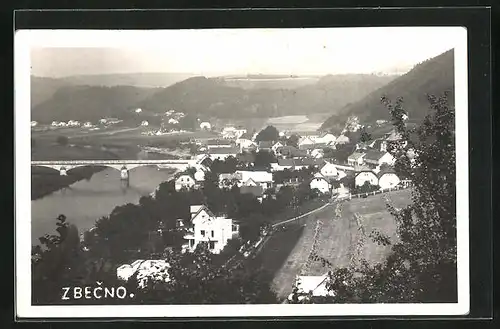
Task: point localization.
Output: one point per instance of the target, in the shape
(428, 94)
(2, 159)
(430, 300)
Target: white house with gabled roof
(320, 183)
(329, 170)
(305, 142)
(364, 176)
(185, 181)
(206, 227)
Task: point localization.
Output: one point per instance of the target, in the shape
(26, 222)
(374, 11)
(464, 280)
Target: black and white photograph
(219, 172)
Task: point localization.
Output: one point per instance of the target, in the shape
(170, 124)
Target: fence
(390, 189)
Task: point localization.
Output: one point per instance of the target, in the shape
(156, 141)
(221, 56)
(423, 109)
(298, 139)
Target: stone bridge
(124, 166)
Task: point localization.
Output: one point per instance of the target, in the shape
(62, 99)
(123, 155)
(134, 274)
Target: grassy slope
(434, 76)
(287, 251)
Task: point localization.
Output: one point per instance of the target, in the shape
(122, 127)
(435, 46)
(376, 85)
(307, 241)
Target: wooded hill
(434, 76)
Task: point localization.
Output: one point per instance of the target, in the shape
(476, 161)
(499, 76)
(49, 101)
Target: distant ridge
(200, 96)
(433, 76)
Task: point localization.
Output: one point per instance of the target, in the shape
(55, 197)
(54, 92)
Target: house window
(211, 245)
(213, 233)
(202, 232)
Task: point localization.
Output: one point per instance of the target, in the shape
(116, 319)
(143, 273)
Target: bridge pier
(63, 171)
(124, 173)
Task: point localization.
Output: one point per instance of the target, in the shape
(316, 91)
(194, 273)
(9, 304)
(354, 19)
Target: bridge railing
(77, 162)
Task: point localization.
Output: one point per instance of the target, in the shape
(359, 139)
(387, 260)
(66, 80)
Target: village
(262, 163)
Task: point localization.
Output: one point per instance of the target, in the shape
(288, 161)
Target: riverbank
(45, 181)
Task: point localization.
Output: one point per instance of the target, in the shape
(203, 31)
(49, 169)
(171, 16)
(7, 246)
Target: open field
(336, 239)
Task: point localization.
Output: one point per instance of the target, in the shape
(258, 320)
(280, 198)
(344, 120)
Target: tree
(365, 136)
(53, 264)
(268, 134)
(62, 140)
(422, 264)
(263, 160)
(293, 140)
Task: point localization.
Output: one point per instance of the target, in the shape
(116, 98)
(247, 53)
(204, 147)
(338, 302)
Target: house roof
(377, 143)
(327, 164)
(309, 162)
(246, 157)
(356, 155)
(223, 150)
(313, 146)
(231, 176)
(265, 144)
(255, 190)
(290, 151)
(342, 138)
(218, 142)
(314, 284)
(256, 176)
(393, 136)
(386, 171)
(195, 210)
(374, 155)
(286, 162)
(365, 171)
(183, 174)
(247, 135)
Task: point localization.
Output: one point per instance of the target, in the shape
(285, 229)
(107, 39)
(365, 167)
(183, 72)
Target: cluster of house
(70, 123)
(364, 164)
(235, 141)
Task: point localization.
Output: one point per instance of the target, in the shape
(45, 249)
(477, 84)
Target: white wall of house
(184, 181)
(387, 158)
(327, 138)
(221, 157)
(276, 146)
(321, 184)
(388, 180)
(306, 141)
(329, 170)
(317, 153)
(216, 231)
(358, 161)
(245, 143)
(366, 176)
(199, 175)
(263, 178)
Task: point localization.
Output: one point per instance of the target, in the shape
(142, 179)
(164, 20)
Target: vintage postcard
(218, 172)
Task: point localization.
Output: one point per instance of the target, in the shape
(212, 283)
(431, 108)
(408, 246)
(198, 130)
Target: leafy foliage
(422, 264)
(268, 134)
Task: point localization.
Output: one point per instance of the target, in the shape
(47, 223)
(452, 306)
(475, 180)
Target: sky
(244, 51)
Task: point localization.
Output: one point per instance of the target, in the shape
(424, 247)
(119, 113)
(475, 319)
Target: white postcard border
(25, 39)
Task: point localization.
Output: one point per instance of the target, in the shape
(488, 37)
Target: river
(87, 200)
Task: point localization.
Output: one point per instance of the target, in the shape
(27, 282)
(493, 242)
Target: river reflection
(86, 201)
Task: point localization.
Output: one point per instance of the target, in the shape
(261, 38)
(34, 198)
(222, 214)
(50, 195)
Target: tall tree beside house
(268, 134)
(422, 265)
(365, 136)
(293, 140)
